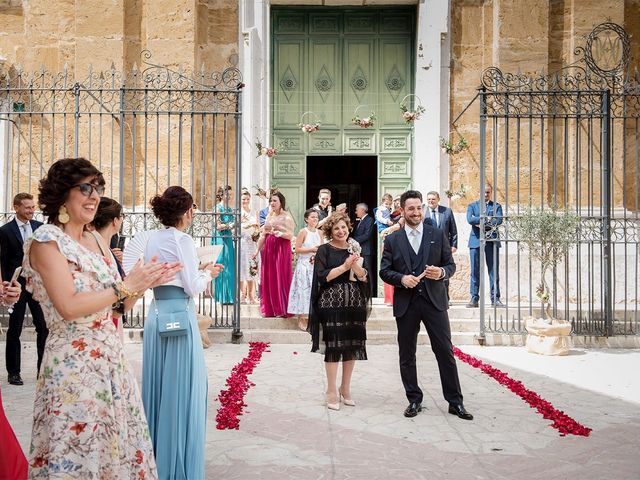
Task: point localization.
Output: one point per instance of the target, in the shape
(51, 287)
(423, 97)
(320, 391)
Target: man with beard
(415, 260)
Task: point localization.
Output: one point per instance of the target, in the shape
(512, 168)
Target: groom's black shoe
(458, 409)
(412, 410)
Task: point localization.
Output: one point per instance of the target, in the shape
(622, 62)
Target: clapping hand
(351, 260)
(150, 274)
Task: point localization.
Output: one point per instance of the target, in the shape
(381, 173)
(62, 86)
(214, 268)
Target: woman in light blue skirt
(174, 377)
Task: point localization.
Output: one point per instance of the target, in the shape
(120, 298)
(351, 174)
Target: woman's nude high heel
(347, 401)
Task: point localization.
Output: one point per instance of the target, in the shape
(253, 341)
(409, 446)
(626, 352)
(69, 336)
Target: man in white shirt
(416, 260)
(12, 237)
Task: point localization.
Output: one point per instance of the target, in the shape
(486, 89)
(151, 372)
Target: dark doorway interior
(351, 179)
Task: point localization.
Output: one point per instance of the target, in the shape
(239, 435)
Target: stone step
(373, 324)
(378, 337)
(380, 312)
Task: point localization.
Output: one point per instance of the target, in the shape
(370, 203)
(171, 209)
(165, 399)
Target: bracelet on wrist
(122, 292)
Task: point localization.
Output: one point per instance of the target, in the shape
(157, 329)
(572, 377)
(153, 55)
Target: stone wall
(531, 37)
(83, 36)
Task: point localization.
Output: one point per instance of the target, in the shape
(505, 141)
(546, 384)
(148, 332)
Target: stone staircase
(381, 327)
(381, 330)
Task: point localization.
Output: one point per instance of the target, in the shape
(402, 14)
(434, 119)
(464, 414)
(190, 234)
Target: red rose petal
(561, 421)
(232, 399)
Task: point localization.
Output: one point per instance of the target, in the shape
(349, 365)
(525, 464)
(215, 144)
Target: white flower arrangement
(353, 247)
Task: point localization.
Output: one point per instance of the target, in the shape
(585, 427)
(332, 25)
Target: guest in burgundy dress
(274, 247)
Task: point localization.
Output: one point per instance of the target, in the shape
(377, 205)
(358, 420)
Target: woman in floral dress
(307, 243)
(88, 420)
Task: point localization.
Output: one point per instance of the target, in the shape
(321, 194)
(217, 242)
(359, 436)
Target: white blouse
(172, 245)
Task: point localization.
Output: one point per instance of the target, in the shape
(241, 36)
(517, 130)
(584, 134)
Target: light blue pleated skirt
(174, 390)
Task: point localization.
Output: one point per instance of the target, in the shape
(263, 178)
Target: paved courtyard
(287, 433)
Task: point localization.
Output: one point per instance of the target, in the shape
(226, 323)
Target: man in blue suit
(12, 237)
(363, 234)
(493, 212)
(442, 218)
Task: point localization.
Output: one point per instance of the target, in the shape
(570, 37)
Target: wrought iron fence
(570, 139)
(146, 130)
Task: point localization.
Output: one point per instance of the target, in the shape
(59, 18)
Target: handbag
(173, 324)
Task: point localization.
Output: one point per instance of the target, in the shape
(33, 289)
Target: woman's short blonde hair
(331, 221)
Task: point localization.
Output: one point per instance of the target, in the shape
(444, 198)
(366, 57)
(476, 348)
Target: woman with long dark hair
(223, 235)
(274, 247)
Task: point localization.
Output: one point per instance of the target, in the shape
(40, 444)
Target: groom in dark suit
(13, 234)
(420, 247)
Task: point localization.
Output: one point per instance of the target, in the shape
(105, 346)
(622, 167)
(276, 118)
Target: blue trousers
(493, 266)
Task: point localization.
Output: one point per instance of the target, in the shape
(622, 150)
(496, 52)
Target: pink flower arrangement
(364, 122)
(232, 399)
(561, 421)
(411, 116)
(268, 151)
(309, 127)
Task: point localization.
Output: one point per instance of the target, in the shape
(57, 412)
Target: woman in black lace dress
(340, 305)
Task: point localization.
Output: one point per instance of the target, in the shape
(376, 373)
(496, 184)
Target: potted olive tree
(547, 235)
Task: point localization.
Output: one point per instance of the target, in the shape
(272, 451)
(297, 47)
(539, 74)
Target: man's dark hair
(410, 194)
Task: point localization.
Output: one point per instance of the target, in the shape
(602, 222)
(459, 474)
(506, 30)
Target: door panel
(335, 63)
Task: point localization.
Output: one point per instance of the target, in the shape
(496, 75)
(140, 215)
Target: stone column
(430, 169)
(255, 67)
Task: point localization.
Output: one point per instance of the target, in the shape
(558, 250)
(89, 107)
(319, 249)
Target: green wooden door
(329, 65)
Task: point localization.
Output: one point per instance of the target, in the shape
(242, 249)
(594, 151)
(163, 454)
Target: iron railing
(146, 130)
(569, 139)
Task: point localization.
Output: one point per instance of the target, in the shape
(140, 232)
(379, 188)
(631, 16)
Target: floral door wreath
(268, 151)
(311, 127)
(363, 122)
(409, 116)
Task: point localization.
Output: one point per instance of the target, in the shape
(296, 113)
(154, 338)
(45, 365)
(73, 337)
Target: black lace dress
(339, 309)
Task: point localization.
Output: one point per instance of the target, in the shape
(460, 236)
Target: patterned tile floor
(287, 433)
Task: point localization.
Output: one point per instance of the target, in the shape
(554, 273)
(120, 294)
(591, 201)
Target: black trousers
(436, 322)
(16, 319)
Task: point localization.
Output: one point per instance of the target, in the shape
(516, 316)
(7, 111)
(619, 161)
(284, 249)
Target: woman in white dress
(248, 227)
(307, 243)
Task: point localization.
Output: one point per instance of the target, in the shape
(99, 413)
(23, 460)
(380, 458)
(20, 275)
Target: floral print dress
(88, 419)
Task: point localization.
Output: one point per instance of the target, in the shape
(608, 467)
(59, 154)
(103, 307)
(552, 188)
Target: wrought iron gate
(146, 130)
(572, 139)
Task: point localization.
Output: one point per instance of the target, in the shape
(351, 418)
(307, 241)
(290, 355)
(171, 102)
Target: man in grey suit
(442, 218)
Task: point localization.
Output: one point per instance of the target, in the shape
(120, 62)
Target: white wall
(430, 166)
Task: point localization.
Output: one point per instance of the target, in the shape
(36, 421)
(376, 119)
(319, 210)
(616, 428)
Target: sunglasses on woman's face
(87, 189)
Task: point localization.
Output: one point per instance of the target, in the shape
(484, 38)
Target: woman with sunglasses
(174, 375)
(88, 419)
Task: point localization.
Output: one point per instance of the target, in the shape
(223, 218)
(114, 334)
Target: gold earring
(63, 215)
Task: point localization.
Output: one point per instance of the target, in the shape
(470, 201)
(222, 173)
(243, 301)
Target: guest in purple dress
(274, 247)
